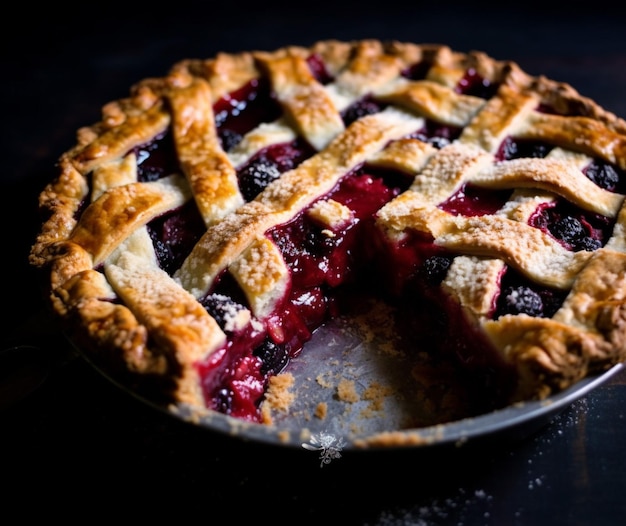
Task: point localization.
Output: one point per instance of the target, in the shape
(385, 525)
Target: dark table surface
(71, 441)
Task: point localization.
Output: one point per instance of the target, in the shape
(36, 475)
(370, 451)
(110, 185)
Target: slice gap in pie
(200, 233)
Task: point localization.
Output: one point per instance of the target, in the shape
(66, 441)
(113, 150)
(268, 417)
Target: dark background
(77, 443)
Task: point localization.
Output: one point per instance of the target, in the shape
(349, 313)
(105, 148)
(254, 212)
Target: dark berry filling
(606, 176)
(434, 268)
(519, 295)
(361, 108)
(473, 84)
(317, 259)
(156, 159)
(321, 265)
(232, 378)
(222, 308)
(327, 262)
(318, 69)
(472, 200)
(174, 235)
(417, 71)
(574, 228)
(512, 148)
(269, 164)
(243, 110)
(439, 135)
(428, 315)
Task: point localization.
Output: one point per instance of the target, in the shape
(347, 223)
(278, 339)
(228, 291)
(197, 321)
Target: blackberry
(552, 301)
(273, 356)
(224, 400)
(229, 138)
(435, 268)
(255, 176)
(517, 149)
(438, 142)
(156, 159)
(164, 255)
(588, 243)
(317, 243)
(286, 156)
(359, 109)
(221, 308)
(603, 174)
(568, 229)
(439, 135)
(147, 174)
(521, 300)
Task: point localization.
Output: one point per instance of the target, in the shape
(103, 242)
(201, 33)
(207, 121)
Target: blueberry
(255, 176)
(521, 300)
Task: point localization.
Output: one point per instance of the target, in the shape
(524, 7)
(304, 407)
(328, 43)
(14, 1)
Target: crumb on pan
(278, 396)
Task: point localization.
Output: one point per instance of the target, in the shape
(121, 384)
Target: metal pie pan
(516, 421)
(351, 389)
(354, 425)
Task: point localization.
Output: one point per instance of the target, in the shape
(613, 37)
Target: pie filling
(210, 223)
(327, 263)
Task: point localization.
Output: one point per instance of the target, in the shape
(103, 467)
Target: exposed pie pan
(369, 398)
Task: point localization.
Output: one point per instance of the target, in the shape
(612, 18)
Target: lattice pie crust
(119, 304)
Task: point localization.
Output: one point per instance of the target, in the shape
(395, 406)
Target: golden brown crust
(211, 175)
(120, 211)
(306, 104)
(106, 286)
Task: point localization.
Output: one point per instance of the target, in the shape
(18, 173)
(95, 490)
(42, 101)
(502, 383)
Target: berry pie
(200, 232)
